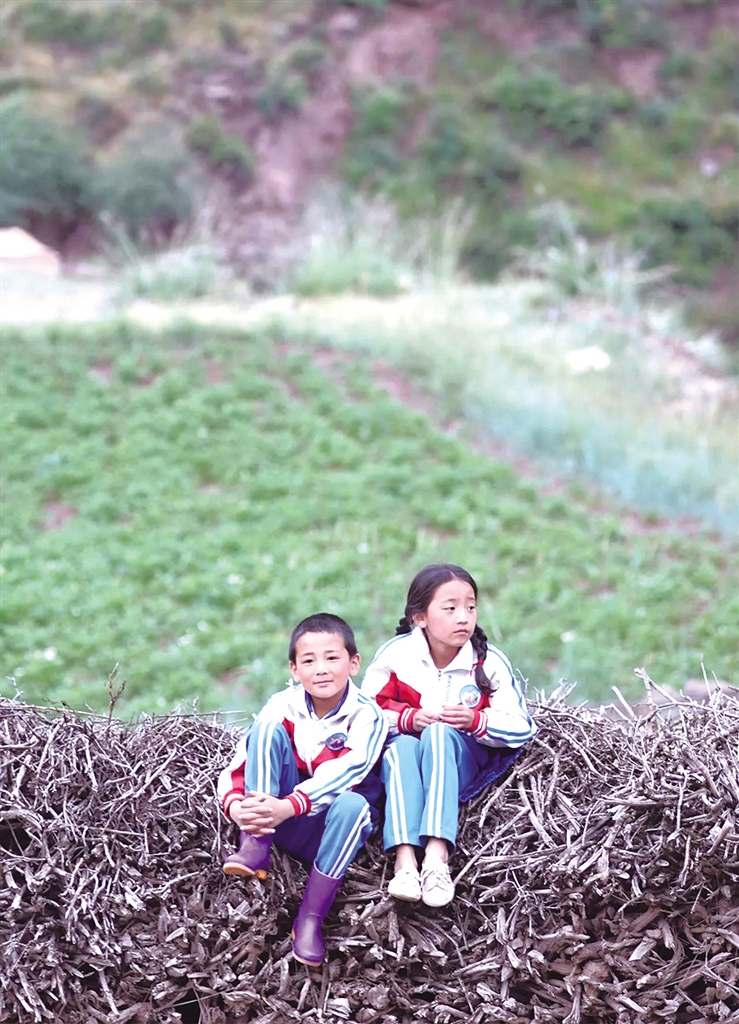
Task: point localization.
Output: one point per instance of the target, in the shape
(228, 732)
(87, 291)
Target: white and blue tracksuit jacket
(333, 754)
(403, 678)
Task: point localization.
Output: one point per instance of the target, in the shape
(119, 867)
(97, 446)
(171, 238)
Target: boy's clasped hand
(438, 717)
(261, 813)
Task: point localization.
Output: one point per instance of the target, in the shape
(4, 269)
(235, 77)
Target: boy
(302, 774)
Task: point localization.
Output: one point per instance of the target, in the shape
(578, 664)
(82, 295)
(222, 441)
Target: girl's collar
(463, 660)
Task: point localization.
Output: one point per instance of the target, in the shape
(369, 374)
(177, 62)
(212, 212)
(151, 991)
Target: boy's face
(322, 666)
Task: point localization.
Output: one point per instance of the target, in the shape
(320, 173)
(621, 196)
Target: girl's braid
(403, 626)
(480, 646)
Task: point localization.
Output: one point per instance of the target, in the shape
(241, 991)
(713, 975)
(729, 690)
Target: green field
(174, 503)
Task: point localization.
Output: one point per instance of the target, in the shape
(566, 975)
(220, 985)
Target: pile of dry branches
(598, 882)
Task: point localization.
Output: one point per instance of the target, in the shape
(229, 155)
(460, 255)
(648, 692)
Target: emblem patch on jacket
(470, 696)
(336, 741)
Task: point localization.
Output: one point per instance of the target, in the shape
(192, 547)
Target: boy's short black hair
(323, 622)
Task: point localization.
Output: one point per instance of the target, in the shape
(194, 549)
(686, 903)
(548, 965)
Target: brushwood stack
(597, 883)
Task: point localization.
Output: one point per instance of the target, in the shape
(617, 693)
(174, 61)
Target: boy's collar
(335, 708)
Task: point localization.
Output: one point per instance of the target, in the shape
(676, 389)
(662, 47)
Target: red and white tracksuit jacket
(333, 754)
(403, 678)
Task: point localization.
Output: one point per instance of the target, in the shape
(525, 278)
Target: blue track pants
(423, 777)
(329, 839)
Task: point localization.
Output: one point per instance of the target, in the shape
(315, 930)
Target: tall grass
(359, 245)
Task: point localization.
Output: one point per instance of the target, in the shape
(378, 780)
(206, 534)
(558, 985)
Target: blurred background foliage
(627, 111)
(518, 230)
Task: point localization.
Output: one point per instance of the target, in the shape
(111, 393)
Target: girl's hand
(261, 813)
(423, 718)
(458, 716)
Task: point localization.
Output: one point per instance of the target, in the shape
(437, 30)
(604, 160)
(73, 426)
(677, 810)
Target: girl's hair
(323, 622)
(420, 595)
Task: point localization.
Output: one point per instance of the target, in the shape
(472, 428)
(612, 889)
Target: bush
(284, 91)
(308, 56)
(45, 170)
(223, 150)
(493, 167)
(383, 116)
(613, 23)
(682, 232)
(578, 116)
(489, 248)
(101, 120)
(542, 100)
(447, 145)
(151, 33)
(147, 193)
(677, 65)
(14, 83)
(722, 72)
(46, 21)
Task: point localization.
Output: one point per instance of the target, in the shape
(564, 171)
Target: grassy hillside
(175, 503)
(628, 112)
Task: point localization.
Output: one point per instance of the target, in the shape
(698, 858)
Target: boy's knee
(270, 732)
(350, 805)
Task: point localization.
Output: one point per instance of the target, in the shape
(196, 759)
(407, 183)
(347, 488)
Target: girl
(302, 774)
(457, 719)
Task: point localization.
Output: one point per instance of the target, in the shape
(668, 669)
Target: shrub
(489, 248)
(147, 193)
(283, 91)
(46, 21)
(683, 233)
(45, 171)
(677, 65)
(446, 146)
(149, 83)
(14, 83)
(101, 119)
(722, 70)
(228, 34)
(223, 150)
(308, 56)
(151, 33)
(578, 116)
(613, 23)
(383, 115)
(493, 167)
(542, 100)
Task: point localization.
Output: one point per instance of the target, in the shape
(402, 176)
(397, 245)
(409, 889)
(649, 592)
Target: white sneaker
(406, 885)
(437, 888)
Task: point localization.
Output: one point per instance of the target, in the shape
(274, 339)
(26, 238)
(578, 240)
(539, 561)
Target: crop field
(174, 503)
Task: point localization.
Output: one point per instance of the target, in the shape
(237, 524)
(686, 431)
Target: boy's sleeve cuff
(230, 798)
(479, 724)
(405, 720)
(300, 802)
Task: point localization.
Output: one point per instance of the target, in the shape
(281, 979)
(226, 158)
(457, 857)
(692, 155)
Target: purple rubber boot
(252, 857)
(307, 936)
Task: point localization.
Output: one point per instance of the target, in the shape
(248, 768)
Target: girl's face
(451, 616)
